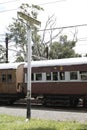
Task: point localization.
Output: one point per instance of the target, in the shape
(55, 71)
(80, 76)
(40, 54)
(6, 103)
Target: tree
(18, 35)
(18, 31)
(49, 34)
(62, 49)
(2, 54)
(42, 47)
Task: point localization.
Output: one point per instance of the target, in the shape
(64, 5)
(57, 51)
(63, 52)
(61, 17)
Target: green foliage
(19, 123)
(2, 54)
(51, 50)
(62, 49)
(18, 35)
(18, 31)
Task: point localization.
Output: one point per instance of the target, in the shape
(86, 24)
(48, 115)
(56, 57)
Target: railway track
(35, 104)
(47, 113)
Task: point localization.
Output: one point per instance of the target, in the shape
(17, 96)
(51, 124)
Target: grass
(19, 123)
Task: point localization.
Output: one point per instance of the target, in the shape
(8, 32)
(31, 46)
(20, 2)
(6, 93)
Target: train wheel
(10, 102)
(84, 102)
(74, 102)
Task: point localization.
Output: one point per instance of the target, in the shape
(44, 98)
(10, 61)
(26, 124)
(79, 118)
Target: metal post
(29, 73)
(30, 22)
(6, 41)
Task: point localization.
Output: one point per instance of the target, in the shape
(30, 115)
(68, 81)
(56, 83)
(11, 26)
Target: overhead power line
(52, 2)
(9, 2)
(64, 27)
(3, 11)
(39, 4)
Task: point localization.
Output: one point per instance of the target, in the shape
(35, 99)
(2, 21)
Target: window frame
(83, 75)
(73, 76)
(3, 78)
(62, 75)
(55, 76)
(9, 79)
(48, 76)
(38, 78)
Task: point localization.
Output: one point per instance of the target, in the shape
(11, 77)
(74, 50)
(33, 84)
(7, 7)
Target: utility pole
(30, 22)
(46, 49)
(6, 42)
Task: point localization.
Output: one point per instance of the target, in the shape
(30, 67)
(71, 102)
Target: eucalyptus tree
(2, 54)
(17, 32)
(45, 45)
(62, 48)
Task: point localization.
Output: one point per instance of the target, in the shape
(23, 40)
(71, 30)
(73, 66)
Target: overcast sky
(67, 13)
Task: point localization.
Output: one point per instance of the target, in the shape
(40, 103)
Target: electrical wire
(9, 1)
(3, 11)
(18, 0)
(8, 10)
(79, 39)
(64, 27)
(52, 2)
(57, 28)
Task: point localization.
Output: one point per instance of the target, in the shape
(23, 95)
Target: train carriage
(11, 81)
(59, 82)
(53, 82)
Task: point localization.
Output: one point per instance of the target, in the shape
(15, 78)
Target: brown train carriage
(11, 82)
(59, 82)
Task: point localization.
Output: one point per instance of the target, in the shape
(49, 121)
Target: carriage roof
(10, 65)
(44, 63)
(59, 62)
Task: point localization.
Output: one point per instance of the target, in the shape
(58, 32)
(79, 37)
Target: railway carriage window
(32, 76)
(62, 75)
(26, 78)
(39, 76)
(55, 75)
(83, 75)
(73, 75)
(3, 77)
(48, 76)
(9, 78)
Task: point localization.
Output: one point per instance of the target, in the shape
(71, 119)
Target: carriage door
(6, 78)
(4, 85)
(11, 82)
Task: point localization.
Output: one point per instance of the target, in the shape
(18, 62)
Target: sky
(66, 12)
